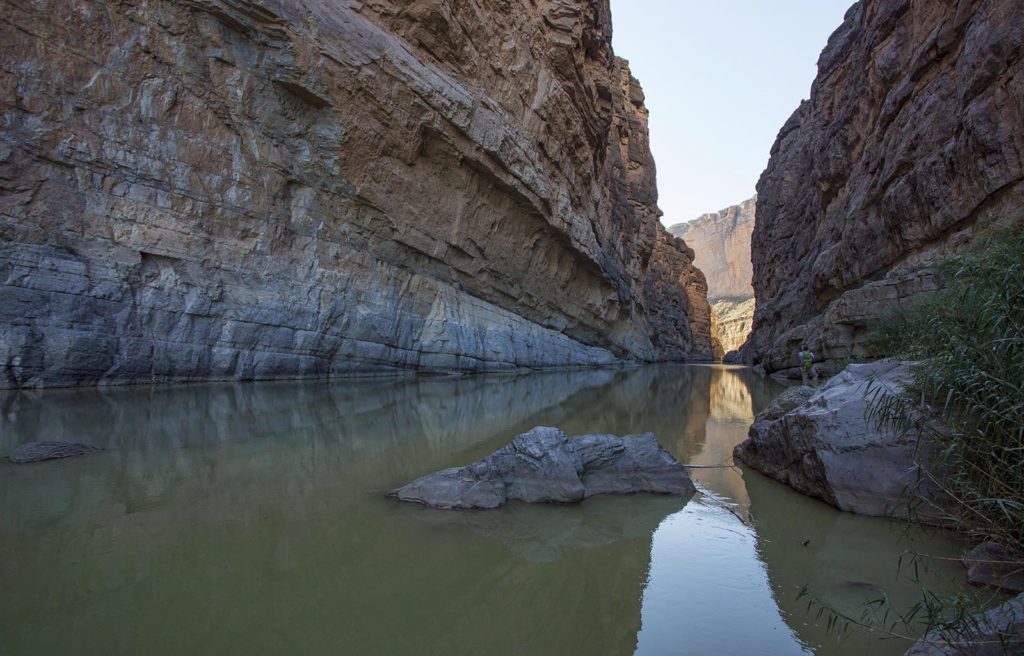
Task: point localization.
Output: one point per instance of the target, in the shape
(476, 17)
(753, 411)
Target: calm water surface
(250, 519)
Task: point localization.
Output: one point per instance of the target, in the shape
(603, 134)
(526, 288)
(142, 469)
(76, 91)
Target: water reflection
(243, 518)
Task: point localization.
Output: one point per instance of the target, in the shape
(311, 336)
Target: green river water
(251, 519)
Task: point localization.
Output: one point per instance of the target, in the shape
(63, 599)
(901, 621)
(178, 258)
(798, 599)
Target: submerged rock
(992, 564)
(822, 443)
(544, 466)
(996, 632)
(38, 451)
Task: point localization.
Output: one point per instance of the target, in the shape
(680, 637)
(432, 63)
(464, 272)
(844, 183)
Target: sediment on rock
(217, 189)
(910, 147)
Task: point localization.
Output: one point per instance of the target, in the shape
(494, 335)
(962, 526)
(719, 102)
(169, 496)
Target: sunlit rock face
(910, 145)
(721, 244)
(228, 190)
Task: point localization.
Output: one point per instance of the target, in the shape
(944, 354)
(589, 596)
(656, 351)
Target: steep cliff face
(721, 242)
(225, 189)
(911, 143)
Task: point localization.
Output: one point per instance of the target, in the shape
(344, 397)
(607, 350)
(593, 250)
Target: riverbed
(250, 518)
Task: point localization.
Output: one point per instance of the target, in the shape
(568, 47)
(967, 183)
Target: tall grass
(969, 339)
(967, 396)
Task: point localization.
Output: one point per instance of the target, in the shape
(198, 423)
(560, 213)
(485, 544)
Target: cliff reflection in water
(249, 518)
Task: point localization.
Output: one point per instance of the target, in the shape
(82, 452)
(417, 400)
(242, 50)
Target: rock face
(39, 451)
(821, 443)
(721, 243)
(912, 142)
(733, 319)
(543, 466)
(997, 632)
(218, 189)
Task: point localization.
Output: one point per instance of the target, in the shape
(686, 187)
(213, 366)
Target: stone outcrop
(39, 451)
(217, 189)
(996, 632)
(822, 443)
(721, 243)
(544, 466)
(910, 145)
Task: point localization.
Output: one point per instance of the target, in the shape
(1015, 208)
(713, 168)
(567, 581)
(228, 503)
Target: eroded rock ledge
(544, 466)
(217, 189)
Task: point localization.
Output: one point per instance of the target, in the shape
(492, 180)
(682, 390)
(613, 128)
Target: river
(251, 519)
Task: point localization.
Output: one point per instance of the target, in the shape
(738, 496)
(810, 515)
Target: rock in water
(38, 451)
(992, 564)
(544, 466)
(821, 443)
(997, 632)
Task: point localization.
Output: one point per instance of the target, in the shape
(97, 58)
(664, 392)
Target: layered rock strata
(911, 144)
(216, 189)
(721, 243)
(733, 320)
(544, 466)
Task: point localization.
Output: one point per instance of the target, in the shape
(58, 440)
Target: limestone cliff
(228, 189)
(721, 243)
(912, 142)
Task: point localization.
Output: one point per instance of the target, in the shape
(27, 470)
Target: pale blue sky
(721, 77)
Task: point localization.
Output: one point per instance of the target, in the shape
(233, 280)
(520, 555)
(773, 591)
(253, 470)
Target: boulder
(38, 451)
(822, 443)
(997, 632)
(994, 565)
(545, 466)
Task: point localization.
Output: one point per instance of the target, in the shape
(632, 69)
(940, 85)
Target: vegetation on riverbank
(967, 396)
(970, 341)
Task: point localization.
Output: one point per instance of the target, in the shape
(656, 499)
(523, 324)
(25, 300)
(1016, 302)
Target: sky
(720, 77)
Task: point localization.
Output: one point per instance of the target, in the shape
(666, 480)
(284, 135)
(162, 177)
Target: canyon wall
(721, 241)
(911, 144)
(226, 189)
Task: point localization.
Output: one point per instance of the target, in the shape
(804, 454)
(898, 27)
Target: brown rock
(911, 143)
(218, 189)
(733, 320)
(721, 243)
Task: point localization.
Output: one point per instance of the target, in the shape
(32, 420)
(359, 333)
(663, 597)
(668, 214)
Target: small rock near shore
(997, 632)
(994, 565)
